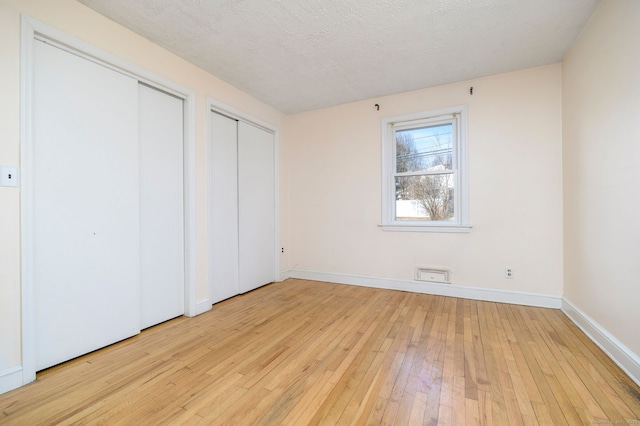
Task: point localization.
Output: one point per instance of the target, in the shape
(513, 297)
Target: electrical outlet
(282, 249)
(508, 272)
(9, 176)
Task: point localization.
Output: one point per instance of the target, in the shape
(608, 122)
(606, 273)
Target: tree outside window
(425, 156)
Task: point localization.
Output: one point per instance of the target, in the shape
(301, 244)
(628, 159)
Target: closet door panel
(256, 189)
(85, 218)
(161, 206)
(223, 207)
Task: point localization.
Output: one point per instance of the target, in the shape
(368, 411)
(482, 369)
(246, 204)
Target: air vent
(433, 275)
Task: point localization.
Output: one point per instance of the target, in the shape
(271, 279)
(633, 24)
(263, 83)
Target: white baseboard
(203, 306)
(284, 275)
(10, 379)
(616, 350)
(475, 293)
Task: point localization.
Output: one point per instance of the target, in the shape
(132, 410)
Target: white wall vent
(433, 275)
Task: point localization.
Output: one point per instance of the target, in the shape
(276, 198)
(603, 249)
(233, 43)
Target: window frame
(456, 115)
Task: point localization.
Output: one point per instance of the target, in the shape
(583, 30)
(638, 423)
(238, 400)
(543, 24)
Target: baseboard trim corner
(284, 275)
(624, 357)
(475, 293)
(11, 379)
(203, 306)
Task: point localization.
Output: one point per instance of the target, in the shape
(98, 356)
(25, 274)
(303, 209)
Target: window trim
(460, 159)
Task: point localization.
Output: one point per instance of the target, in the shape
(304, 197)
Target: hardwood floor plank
(471, 411)
(304, 352)
(459, 408)
(485, 412)
(417, 414)
(495, 337)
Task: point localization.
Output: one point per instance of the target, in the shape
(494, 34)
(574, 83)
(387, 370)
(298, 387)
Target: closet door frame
(33, 30)
(233, 113)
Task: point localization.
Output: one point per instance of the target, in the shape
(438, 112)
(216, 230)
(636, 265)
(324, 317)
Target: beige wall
(79, 21)
(515, 187)
(601, 136)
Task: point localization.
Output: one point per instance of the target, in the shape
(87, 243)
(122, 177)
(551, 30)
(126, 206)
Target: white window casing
(454, 118)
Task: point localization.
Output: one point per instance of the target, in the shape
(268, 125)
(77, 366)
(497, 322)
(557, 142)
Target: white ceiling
(300, 55)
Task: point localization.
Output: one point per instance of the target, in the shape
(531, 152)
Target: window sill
(444, 228)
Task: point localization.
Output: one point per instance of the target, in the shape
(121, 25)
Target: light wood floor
(302, 352)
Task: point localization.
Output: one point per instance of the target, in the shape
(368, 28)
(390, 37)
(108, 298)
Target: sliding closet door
(223, 207)
(161, 206)
(256, 189)
(86, 262)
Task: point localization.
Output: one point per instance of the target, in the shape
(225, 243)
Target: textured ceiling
(300, 55)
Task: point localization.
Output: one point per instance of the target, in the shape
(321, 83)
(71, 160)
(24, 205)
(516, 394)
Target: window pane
(427, 197)
(424, 148)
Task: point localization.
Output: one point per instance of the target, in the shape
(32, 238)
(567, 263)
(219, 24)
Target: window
(424, 184)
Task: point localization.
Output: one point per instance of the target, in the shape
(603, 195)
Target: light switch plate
(9, 176)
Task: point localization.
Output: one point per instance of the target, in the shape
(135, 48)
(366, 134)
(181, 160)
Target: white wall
(601, 135)
(515, 127)
(79, 21)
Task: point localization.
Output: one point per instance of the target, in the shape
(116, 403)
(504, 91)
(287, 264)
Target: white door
(256, 201)
(161, 206)
(86, 262)
(223, 207)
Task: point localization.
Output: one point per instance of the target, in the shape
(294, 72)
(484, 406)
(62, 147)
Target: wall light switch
(9, 176)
